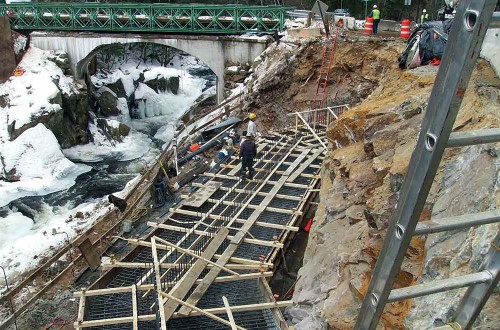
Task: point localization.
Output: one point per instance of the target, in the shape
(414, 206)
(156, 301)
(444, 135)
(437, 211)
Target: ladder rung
(439, 286)
(458, 222)
(467, 138)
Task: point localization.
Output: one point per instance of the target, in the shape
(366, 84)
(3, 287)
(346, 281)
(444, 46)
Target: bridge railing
(210, 19)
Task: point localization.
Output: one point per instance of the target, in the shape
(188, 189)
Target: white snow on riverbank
(23, 243)
(39, 163)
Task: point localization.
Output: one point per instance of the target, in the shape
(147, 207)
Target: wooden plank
(304, 165)
(116, 320)
(199, 310)
(242, 308)
(89, 254)
(183, 286)
(81, 312)
(142, 265)
(233, 246)
(194, 255)
(135, 323)
(229, 313)
(201, 195)
(250, 206)
(163, 321)
(296, 162)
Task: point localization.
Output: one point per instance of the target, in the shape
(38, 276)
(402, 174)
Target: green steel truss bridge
(116, 17)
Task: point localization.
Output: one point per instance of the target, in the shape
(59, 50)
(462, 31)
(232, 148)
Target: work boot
(250, 175)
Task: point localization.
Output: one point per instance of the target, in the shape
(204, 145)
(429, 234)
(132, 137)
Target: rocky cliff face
(370, 148)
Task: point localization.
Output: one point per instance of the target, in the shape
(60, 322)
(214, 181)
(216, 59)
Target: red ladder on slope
(326, 63)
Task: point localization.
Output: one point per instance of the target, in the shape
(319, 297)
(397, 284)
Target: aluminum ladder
(326, 64)
(463, 48)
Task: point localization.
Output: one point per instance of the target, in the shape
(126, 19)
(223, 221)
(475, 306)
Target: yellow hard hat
(252, 116)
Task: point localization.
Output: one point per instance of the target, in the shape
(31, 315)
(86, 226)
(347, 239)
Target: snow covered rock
(33, 165)
(43, 94)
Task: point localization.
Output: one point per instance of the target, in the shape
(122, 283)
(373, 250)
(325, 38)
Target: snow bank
(23, 243)
(134, 146)
(39, 163)
(30, 94)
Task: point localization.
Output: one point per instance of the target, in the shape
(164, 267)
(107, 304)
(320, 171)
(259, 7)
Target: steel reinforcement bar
(117, 17)
(123, 298)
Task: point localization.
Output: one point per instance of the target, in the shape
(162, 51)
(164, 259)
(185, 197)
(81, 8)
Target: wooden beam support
(199, 310)
(182, 287)
(135, 322)
(81, 313)
(242, 308)
(229, 313)
(163, 321)
(304, 165)
(194, 255)
(142, 265)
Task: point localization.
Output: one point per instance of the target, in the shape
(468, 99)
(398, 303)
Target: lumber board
(199, 197)
(303, 166)
(210, 315)
(163, 321)
(146, 287)
(135, 323)
(89, 254)
(296, 162)
(182, 287)
(242, 308)
(229, 313)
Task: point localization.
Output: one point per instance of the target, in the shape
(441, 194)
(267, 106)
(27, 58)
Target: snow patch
(39, 163)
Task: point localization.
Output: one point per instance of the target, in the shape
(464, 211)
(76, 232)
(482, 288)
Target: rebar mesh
(226, 206)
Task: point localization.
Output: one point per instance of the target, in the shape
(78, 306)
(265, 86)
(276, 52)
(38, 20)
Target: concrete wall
(7, 56)
(214, 51)
(386, 25)
(490, 49)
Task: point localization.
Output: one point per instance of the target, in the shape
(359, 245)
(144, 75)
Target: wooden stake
(229, 313)
(135, 324)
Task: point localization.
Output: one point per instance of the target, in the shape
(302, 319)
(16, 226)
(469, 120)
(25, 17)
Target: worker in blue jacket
(248, 151)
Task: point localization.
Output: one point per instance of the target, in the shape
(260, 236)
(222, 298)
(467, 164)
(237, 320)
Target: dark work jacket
(248, 149)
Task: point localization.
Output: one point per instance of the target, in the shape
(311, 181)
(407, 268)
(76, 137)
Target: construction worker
(248, 151)
(375, 14)
(252, 128)
(424, 17)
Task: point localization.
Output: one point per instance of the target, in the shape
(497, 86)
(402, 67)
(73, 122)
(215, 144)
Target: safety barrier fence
(317, 120)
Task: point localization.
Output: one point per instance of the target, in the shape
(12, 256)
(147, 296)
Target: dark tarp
(428, 41)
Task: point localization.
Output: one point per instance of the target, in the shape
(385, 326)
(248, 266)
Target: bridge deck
(238, 229)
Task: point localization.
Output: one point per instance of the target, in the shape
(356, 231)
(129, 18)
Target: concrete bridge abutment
(214, 51)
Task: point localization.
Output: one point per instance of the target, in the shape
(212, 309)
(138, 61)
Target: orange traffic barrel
(405, 28)
(369, 25)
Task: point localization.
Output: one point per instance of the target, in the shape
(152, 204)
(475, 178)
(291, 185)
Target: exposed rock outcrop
(361, 179)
